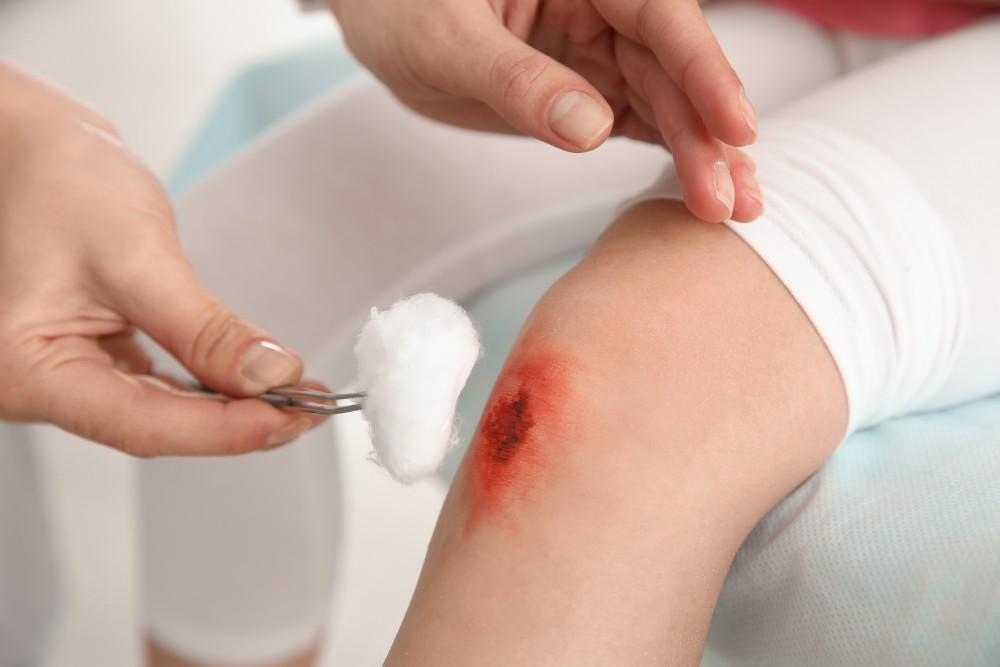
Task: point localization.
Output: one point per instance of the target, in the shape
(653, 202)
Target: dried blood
(520, 432)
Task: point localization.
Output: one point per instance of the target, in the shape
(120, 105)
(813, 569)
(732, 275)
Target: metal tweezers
(302, 399)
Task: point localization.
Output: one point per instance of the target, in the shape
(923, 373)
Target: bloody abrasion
(507, 425)
(521, 428)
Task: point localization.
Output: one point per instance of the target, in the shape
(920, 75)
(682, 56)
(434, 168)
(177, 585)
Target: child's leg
(669, 391)
(662, 397)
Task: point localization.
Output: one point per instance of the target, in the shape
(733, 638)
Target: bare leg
(662, 397)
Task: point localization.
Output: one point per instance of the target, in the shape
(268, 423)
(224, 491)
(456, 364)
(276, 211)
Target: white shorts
(880, 224)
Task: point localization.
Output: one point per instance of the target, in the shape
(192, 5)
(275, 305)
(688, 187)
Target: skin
(89, 256)
(652, 66)
(690, 395)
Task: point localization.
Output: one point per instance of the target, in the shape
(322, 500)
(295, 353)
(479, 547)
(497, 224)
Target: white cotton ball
(413, 360)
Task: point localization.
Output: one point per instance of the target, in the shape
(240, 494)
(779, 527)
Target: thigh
(932, 111)
(878, 222)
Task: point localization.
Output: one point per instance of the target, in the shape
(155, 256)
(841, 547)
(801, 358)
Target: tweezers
(302, 399)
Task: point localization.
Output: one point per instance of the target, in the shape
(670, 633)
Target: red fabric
(895, 18)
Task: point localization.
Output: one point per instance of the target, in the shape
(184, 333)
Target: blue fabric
(887, 556)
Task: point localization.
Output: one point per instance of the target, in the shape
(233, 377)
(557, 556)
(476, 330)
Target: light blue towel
(890, 555)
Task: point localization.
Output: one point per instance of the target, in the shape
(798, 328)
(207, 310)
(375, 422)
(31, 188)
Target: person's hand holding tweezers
(88, 255)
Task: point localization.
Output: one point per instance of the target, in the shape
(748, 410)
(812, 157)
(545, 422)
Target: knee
(671, 323)
(664, 298)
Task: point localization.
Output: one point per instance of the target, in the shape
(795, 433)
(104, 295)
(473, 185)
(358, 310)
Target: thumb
(533, 92)
(219, 349)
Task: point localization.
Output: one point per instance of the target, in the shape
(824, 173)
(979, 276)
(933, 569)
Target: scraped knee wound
(865, 255)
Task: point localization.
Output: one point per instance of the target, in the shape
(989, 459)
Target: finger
(642, 73)
(179, 387)
(687, 50)
(700, 160)
(641, 106)
(220, 349)
(638, 120)
(533, 92)
(145, 416)
(630, 125)
(749, 203)
(314, 418)
(125, 353)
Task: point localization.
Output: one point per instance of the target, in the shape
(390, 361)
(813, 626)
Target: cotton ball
(413, 360)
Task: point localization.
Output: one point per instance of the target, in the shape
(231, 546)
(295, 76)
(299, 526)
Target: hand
(88, 253)
(571, 73)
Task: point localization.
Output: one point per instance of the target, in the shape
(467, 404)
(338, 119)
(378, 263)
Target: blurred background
(155, 68)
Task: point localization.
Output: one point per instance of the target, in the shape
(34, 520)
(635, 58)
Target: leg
(884, 239)
(929, 112)
(932, 112)
(238, 562)
(663, 396)
(878, 236)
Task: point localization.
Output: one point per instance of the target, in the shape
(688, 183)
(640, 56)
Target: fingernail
(289, 432)
(725, 192)
(579, 118)
(268, 365)
(749, 115)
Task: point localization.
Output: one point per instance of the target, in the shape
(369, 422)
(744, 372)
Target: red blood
(519, 431)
